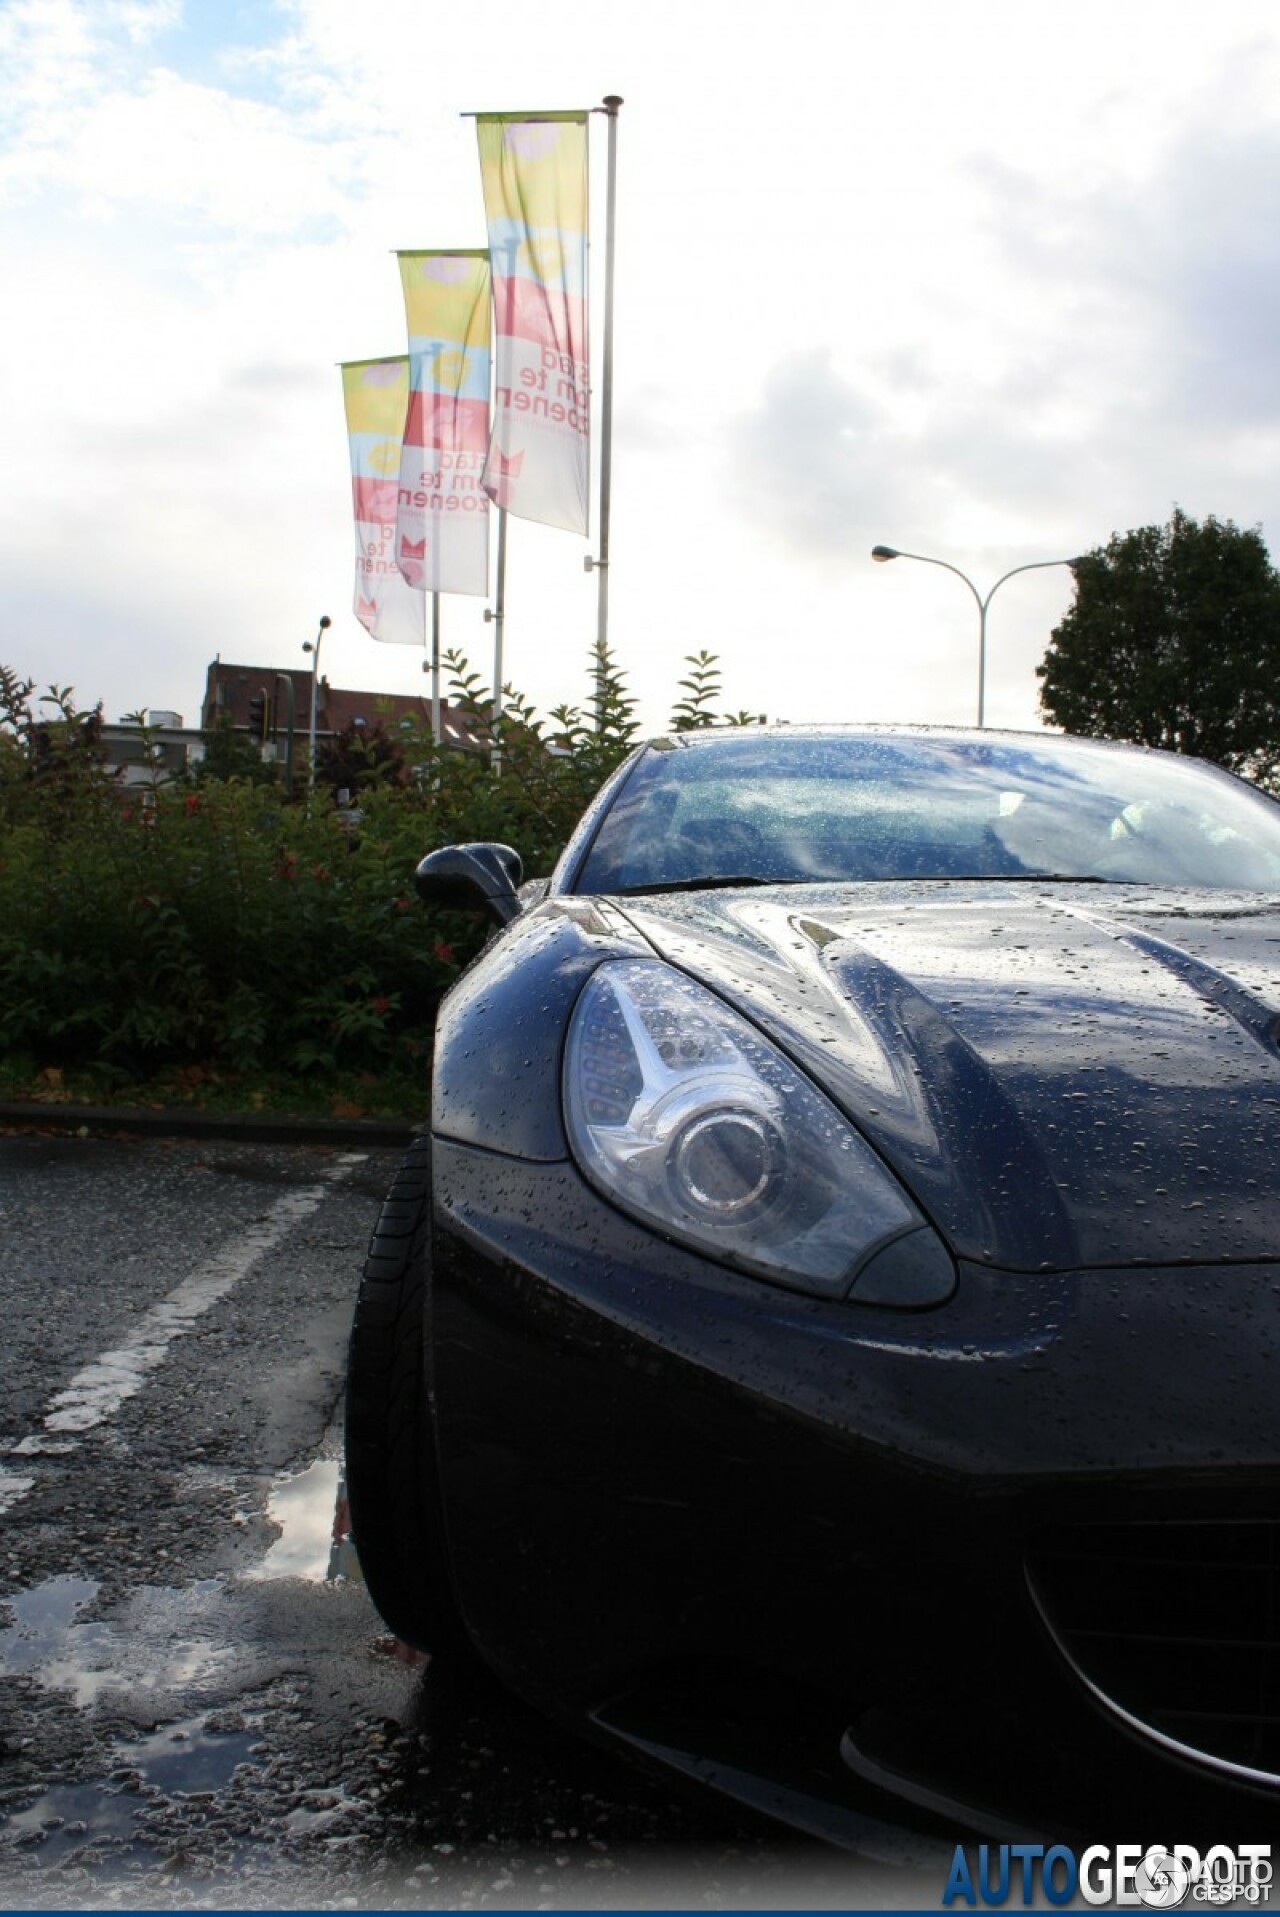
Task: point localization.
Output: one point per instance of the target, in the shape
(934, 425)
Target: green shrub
(220, 924)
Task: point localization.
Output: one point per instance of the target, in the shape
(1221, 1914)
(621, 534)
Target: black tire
(393, 1488)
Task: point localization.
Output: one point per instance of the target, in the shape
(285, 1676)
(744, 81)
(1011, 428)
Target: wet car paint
(1097, 1052)
(1079, 1084)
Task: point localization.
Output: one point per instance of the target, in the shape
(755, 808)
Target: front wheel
(393, 1486)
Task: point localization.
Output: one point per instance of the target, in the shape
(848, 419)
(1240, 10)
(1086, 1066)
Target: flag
(376, 392)
(442, 515)
(533, 168)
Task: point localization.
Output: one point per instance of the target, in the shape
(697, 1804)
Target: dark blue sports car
(829, 1339)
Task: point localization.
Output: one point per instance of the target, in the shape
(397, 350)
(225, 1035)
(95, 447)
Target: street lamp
(884, 553)
(314, 650)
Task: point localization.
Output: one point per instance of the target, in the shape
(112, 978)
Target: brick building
(230, 687)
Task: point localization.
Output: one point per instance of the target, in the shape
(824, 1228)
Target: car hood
(1075, 1075)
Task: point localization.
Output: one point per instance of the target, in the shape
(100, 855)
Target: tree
(1174, 641)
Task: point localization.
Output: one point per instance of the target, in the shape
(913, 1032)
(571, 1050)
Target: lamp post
(314, 650)
(885, 553)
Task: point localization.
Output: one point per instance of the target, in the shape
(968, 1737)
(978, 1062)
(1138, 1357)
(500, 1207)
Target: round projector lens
(726, 1162)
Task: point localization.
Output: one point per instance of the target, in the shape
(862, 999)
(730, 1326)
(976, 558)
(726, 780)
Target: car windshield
(781, 808)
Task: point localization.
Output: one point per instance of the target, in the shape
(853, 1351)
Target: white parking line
(13, 1487)
(98, 1390)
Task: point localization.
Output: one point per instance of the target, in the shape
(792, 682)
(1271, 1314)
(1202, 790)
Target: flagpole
(436, 732)
(612, 101)
(498, 615)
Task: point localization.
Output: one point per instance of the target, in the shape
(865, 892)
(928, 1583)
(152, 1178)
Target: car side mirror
(472, 878)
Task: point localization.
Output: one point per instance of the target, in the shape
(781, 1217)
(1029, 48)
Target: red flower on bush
(286, 866)
(382, 1006)
(320, 872)
(192, 803)
(443, 952)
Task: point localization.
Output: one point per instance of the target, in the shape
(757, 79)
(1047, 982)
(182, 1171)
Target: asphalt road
(198, 1705)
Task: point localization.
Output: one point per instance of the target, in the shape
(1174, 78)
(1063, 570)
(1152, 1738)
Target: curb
(252, 1129)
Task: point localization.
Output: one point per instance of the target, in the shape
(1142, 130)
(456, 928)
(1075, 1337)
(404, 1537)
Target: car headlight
(685, 1115)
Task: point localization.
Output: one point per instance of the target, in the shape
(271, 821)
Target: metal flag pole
(436, 722)
(498, 614)
(612, 101)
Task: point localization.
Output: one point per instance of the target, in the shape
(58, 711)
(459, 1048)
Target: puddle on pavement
(45, 1642)
(314, 1541)
(178, 1760)
(69, 1817)
(89, 1660)
(191, 1756)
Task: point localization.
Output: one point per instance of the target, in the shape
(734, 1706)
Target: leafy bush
(222, 925)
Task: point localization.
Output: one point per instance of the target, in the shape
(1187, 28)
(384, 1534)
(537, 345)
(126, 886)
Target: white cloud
(199, 151)
(979, 279)
(56, 57)
(815, 459)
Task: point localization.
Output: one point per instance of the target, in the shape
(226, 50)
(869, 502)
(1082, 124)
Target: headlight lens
(685, 1115)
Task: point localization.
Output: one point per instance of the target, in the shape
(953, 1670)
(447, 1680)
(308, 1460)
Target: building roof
(230, 686)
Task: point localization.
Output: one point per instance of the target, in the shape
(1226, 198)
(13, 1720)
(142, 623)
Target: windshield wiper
(718, 881)
(710, 883)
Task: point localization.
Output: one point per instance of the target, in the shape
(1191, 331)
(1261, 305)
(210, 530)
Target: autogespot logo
(1155, 1876)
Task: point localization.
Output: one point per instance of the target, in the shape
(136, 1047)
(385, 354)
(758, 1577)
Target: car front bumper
(825, 1556)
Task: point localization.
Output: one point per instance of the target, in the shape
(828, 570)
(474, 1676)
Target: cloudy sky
(984, 281)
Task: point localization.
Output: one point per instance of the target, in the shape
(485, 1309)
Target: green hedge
(225, 924)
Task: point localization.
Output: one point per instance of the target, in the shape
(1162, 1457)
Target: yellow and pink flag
(533, 169)
(442, 509)
(376, 393)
